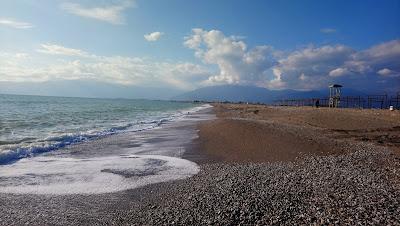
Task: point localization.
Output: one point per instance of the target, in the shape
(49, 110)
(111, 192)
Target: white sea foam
(54, 175)
(15, 152)
(128, 168)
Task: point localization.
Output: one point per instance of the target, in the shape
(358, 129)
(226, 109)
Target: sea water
(33, 129)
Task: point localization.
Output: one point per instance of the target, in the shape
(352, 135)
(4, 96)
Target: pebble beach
(258, 166)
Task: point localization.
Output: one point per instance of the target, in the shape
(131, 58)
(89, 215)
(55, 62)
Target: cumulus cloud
(384, 55)
(225, 59)
(307, 68)
(328, 30)
(339, 63)
(315, 63)
(15, 24)
(237, 64)
(311, 67)
(154, 36)
(110, 13)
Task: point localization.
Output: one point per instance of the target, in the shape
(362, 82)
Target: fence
(370, 101)
(395, 101)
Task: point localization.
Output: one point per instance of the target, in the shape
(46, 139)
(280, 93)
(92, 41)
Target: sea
(68, 145)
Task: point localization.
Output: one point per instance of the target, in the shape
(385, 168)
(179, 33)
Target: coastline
(170, 140)
(339, 177)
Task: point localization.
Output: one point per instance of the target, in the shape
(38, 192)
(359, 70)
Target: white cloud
(15, 24)
(385, 72)
(111, 13)
(225, 60)
(315, 63)
(327, 64)
(110, 69)
(328, 30)
(154, 36)
(339, 72)
(53, 49)
(237, 64)
(388, 73)
(384, 55)
(306, 68)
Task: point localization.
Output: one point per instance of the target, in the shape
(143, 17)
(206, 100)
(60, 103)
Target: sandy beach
(259, 165)
(266, 134)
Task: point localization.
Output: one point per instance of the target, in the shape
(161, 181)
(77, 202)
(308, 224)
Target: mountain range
(233, 93)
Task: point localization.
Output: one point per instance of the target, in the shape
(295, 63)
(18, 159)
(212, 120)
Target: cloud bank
(63, 63)
(222, 59)
(307, 68)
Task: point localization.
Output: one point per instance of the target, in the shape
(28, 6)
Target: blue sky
(184, 45)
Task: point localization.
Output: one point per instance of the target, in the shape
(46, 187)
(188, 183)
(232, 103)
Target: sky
(181, 45)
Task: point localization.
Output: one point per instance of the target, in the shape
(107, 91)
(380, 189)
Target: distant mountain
(86, 88)
(235, 93)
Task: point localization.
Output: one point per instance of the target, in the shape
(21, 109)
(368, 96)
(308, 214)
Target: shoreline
(53, 141)
(61, 209)
(358, 184)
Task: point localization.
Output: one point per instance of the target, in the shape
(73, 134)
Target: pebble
(360, 187)
(354, 188)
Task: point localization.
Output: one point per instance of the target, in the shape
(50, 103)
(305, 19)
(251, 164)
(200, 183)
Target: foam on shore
(52, 175)
(14, 152)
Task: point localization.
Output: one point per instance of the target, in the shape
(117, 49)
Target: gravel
(361, 187)
(357, 188)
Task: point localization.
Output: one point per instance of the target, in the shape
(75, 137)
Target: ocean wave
(52, 143)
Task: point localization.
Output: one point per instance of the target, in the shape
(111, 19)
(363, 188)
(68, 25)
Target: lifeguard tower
(334, 95)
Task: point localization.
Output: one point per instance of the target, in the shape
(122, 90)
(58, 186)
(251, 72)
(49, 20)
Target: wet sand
(259, 165)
